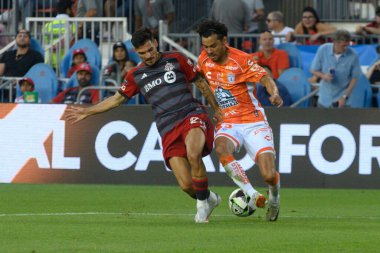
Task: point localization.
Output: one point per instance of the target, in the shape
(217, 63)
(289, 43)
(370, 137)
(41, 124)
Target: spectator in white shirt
(275, 23)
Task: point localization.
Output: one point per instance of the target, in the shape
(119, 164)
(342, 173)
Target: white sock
(237, 174)
(274, 191)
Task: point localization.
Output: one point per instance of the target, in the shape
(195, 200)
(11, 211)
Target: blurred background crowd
(78, 51)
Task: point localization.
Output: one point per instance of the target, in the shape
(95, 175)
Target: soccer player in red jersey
(187, 133)
(229, 72)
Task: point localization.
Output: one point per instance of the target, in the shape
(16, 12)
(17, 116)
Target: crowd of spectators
(240, 16)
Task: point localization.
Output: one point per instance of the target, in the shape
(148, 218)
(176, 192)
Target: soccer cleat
(213, 201)
(258, 200)
(205, 208)
(273, 209)
(202, 212)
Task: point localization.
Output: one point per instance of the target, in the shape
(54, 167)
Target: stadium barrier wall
(332, 148)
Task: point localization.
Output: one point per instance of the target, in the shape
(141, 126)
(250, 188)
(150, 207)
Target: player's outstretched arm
(206, 91)
(271, 87)
(76, 113)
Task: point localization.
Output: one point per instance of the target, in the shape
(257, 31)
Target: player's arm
(205, 89)
(75, 113)
(271, 87)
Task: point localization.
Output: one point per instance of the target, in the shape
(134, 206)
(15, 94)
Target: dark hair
(208, 27)
(141, 36)
(315, 14)
(63, 5)
(120, 44)
(23, 30)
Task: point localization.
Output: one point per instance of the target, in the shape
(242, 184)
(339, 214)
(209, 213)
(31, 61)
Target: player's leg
(182, 172)
(259, 145)
(195, 142)
(266, 164)
(226, 142)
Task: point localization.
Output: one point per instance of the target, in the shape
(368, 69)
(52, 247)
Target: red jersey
(230, 82)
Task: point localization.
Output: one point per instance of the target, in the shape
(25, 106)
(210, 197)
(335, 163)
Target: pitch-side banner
(335, 148)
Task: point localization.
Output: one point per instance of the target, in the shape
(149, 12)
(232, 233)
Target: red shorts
(173, 142)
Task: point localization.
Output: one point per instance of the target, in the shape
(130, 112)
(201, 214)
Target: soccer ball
(238, 203)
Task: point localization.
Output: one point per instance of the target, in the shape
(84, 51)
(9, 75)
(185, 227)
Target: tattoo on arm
(205, 89)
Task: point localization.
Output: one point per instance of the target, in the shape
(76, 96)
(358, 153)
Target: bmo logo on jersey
(152, 84)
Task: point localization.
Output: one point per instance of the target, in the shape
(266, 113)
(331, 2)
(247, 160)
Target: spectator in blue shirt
(338, 67)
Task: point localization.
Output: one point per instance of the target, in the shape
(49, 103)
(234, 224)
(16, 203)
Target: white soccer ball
(238, 203)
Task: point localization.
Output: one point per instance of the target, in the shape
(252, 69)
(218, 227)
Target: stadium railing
(190, 45)
(93, 28)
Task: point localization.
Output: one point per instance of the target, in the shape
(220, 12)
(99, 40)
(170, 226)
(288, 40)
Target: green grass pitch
(120, 218)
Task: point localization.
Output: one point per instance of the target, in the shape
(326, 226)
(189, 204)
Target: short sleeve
(253, 72)
(129, 87)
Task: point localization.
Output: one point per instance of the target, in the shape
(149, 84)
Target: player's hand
(218, 116)
(75, 114)
(276, 100)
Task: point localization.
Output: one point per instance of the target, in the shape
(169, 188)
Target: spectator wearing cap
(120, 64)
(70, 95)
(27, 90)
(79, 56)
(17, 62)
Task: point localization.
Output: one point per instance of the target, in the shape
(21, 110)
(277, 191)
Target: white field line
(178, 214)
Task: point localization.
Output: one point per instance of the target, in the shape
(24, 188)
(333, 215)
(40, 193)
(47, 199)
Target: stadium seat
(36, 45)
(295, 81)
(92, 53)
(295, 58)
(45, 81)
(361, 95)
(95, 78)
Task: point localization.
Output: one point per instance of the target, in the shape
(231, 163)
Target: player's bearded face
(215, 48)
(148, 52)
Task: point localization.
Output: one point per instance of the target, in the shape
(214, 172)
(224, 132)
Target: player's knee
(194, 159)
(269, 177)
(221, 150)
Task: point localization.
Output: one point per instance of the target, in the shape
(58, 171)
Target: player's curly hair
(208, 27)
(141, 36)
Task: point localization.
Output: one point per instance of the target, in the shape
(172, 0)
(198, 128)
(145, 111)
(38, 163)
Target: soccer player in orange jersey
(229, 71)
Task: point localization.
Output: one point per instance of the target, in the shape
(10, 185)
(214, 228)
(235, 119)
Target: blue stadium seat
(361, 95)
(295, 81)
(92, 51)
(95, 78)
(36, 46)
(45, 81)
(65, 64)
(295, 58)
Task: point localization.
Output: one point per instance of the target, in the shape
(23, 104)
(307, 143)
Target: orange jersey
(230, 81)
